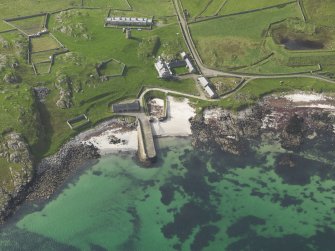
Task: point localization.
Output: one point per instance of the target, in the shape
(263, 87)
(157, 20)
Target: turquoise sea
(266, 200)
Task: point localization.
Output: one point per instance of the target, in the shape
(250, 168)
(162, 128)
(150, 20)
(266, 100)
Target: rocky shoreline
(53, 171)
(50, 174)
(298, 124)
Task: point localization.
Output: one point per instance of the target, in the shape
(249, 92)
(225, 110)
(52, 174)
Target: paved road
(216, 73)
(240, 86)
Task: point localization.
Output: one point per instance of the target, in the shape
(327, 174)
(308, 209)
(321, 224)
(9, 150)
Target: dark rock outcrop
(228, 131)
(15, 151)
(293, 134)
(299, 127)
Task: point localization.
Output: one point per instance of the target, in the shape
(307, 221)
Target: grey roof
(126, 107)
(176, 63)
(163, 69)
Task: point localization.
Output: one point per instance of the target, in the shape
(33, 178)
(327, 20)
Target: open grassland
(236, 6)
(112, 68)
(224, 85)
(194, 7)
(114, 4)
(44, 43)
(43, 68)
(224, 43)
(257, 48)
(31, 7)
(30, 25)
(157, 8)
(5, 27)
(18, 111)
(41, 56)
(89, 95)
(209, 8)
(213, 8)
(320, 12)
(285, 61)
(94, 97)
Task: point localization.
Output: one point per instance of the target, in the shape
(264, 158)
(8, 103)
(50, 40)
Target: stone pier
(146, 145)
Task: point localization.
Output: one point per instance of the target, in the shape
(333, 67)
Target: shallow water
(299, 44)
(189, 201)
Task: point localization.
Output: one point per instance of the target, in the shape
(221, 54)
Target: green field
(236, 6)
(111, 68)
(209, 8)
(256, 48)
(114, 4)
(157, 8)
(43, 68)
(30, 25)
(222, 43)
(320, 12)
(224, 85)
(194, 7)
(41, 56)
(31, 7)
(44, 43)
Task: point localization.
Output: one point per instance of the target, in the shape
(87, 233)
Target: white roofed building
(210, 92)
(190, 66)
(129, 21)
(206, 84)
(183, 54)
(163, 69)
(203, 81)
(188, 61)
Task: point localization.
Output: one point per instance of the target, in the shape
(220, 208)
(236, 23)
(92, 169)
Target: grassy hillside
(252, 42)
(88, 94)
(209, 8)
(230, 44)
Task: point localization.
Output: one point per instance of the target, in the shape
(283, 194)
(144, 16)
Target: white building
(206, 84)
(203, 81)
(129, 21)
(189, 64)
(183, 55)
(210, 92)
(163, 69)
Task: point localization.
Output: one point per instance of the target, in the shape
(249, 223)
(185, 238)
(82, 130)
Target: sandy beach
(305, 97)
(177, 124)
(111, 137)
(114, 136)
